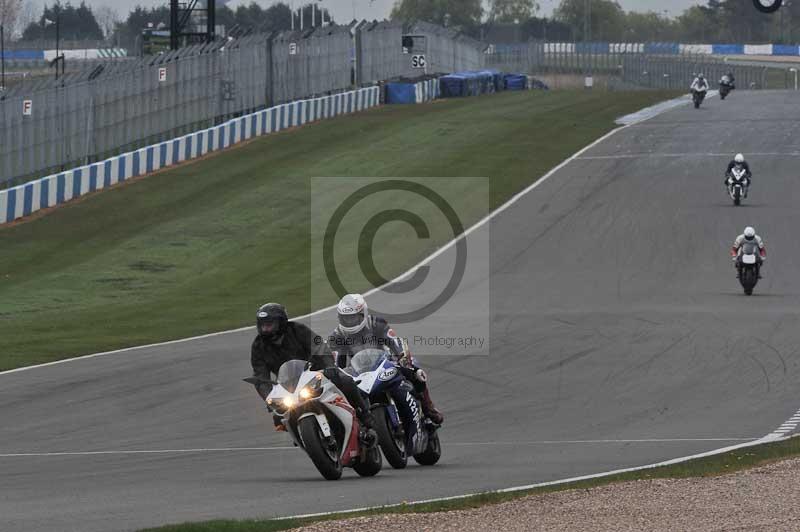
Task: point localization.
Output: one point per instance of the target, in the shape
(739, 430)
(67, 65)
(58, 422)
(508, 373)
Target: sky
(342, 10)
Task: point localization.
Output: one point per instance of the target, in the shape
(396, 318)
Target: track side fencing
(59, 188)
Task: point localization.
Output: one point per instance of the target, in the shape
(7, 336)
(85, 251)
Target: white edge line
(46, 454)
(765, 439)
(425, 261)
(145, 451)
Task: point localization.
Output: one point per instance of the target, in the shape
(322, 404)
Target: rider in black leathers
(739, 162)
(280, 340)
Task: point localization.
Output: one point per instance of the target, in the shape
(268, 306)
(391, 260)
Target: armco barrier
(659, 48)
(758, 49)
(785, 49)
(23, 55)
(727, 49)
(52, 190)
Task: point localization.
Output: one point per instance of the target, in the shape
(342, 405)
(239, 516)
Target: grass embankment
(704, 467)
(197, 248)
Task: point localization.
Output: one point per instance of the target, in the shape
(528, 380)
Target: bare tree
(28, 13)
(107, 17)
(9, 12)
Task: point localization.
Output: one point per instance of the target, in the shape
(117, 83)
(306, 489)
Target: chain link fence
(630, 66)
(107, 108)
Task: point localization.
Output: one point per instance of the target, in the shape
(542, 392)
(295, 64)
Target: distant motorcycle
(320, 421)
(737, 181)
(698, 97)
(401, 426)
(725, 86)
(749, 266)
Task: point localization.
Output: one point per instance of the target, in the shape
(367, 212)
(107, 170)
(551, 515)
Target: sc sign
(418, 61)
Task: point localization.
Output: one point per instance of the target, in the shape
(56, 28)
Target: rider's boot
(430, 409)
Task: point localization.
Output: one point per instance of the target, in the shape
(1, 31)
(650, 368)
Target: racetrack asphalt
(619, 337)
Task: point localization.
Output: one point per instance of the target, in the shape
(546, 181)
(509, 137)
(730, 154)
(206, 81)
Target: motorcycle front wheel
(324, 455)
(432, 452)
(370, 464)
(392, 441)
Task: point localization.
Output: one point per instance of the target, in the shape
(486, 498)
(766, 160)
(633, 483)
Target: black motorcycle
(698, 97)
(725, 87)
(749, 266)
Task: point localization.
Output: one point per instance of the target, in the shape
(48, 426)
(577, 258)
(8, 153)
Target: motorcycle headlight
(289, 401)
(312, 389)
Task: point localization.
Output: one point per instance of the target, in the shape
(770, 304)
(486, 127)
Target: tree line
(719, 21)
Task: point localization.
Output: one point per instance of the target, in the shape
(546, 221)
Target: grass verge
(720, 464)
(197, 248)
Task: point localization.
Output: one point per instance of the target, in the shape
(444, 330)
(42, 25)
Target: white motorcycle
(736, 184)
(321, 421)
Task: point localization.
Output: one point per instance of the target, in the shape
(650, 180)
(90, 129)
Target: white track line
(153, 451)
(678, 155)
(789, 426)
(551, 483)
(562, 442)
(288, 448)
(425, 261)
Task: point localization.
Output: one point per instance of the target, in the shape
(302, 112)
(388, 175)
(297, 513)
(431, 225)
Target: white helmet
(749, 233)
(739, 158)
(353, 313)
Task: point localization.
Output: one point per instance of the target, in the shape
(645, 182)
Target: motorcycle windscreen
(367, 360)
(289, 374)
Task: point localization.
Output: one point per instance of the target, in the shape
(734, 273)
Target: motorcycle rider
(358, 329)
(730, 81)
(749, 235)
(280, 340)
(739, 163)
(699, 84)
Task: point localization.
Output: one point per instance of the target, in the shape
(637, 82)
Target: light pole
(2, 59)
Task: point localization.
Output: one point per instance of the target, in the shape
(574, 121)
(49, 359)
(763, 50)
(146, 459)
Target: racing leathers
(377, 334)
(699, 85)
(747, 180)
(736, 253)
(298, 342)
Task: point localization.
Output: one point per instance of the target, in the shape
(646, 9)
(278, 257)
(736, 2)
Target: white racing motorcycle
(736, 185)
(321, 421)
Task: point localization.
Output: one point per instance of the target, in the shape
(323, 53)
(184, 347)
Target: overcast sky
(342, 10)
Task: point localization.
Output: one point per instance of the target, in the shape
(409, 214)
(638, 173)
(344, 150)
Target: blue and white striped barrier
(56, 189)
(427, 90)
(661, 48)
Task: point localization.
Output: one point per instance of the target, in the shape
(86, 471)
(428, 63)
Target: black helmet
(271, 320)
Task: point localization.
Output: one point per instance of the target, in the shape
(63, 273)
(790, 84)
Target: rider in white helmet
(749, 235)
(358, 329)
(739, 162)
(700, 84)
